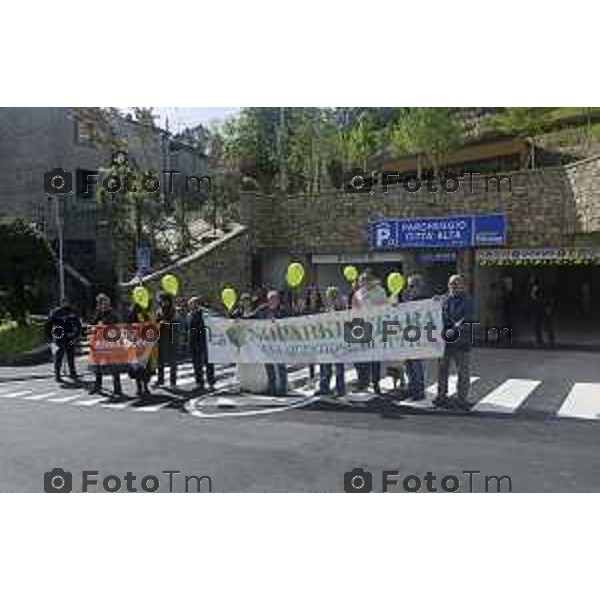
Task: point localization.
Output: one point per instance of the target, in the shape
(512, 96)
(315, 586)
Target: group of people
(66, 328)
(367, 292)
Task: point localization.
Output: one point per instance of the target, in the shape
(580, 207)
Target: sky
(185, 116)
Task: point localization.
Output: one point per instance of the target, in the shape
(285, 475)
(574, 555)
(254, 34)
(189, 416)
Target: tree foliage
(298, 146)
(522, 121)
(26, 260)
(431, 132)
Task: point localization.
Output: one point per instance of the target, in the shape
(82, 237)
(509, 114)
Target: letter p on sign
(383, 235)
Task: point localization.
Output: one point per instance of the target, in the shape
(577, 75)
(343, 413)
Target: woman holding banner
(142, 371)
(105, 315)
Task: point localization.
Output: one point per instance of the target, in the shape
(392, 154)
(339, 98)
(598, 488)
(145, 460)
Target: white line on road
(507, 397)
(17, 394)
(63, 399)
(583, 402)
(41, 396)
(151, 407)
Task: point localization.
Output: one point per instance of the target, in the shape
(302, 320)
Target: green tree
(26, 261)
(250, 143)
(521, 121)
(134, 214)
(430, 132)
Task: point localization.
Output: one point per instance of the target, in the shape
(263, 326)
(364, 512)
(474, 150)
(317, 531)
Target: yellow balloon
(351, 273)
(229, 297)
(295, 274)
(170, 284)
(141, 296)
(395, 282)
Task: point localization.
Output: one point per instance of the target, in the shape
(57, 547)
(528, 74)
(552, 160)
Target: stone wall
(547, 207)
(225, 262)
(584, 180)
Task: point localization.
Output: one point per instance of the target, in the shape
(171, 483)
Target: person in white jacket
(370, 293)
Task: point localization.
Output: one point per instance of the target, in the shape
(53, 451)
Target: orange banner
(122, 344)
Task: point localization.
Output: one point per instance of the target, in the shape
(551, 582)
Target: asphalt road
(307, 446)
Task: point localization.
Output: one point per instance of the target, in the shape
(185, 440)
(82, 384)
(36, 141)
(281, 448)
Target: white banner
(389, 333)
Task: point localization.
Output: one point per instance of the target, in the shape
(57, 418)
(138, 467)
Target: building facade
(34, 141)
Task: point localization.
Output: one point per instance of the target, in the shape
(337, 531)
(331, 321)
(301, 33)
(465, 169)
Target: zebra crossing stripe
(151, 407)
(507, 397)
(583, 402)
(17, 394)
(90, 402)
(119, 405)
(62, 399)
(41, 396)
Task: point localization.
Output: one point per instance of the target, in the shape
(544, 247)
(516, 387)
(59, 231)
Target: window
(82, 133)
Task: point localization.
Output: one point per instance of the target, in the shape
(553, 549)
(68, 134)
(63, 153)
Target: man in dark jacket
(415, 368)
(65, 329)
(276, 373)
(198, 344)
(105, 315)
(168, 341)
(457, 311)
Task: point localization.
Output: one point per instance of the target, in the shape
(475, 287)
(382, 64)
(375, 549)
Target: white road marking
(62, 399)
(583, 402)
(41, 396)
(17, 394)
(120, 405)
(91, 402)
(150, 407)
(507, 397)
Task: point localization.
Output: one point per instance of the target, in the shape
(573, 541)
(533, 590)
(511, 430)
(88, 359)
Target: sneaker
(441, 402)
(461, 404)
(413, 397)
